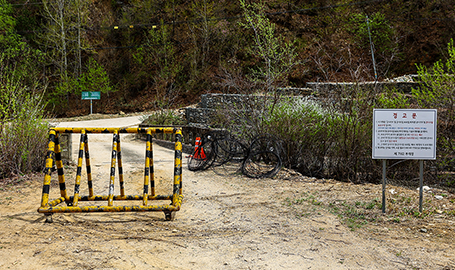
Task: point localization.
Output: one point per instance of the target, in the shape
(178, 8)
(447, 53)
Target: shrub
(304, 126)
(437, 91)
(23, 133)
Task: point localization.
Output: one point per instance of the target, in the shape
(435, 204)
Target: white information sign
(404, 134)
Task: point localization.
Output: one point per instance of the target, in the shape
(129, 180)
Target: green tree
(9, 40)
(437, 91)
(383, 38)
(438, 85)
(13, 49)
(63, 40)
(94, 78)
(278, 55)
(274, 58)
(202, 33)
(159, 60)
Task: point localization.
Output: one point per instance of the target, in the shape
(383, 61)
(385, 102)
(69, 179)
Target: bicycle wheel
(195, 161)
(262, 164)
(267, 142)
(229, 149)
(264, 158)
(209, 148)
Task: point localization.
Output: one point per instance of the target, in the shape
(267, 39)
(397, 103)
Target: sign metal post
(421, 186)
(384, 173)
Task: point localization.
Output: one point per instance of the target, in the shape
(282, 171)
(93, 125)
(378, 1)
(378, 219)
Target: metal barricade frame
(72, 202)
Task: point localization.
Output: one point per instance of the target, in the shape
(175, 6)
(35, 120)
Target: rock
(392, 191)
(404, 78)
(438, 197)
(423, 230)
(425, 188)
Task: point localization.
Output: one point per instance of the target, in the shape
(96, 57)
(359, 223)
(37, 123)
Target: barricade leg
(148, 155)
(178, 161)
(88, 167)
(151, 169)
(61, 174)
(77, 184)
(120, 168)
(48, 171)
(177, 195)
(112, 178)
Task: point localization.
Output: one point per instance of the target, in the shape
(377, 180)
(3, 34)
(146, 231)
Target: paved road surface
(114, 122)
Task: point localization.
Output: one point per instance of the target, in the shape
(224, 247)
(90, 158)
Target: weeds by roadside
(360, 211)
(163, 117)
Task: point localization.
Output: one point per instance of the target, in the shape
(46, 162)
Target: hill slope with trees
(154, 54)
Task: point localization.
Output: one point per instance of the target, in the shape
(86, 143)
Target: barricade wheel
(169, 215)
(49, 218)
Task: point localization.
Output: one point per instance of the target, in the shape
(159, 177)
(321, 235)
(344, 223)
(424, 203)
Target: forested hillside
(154, 54)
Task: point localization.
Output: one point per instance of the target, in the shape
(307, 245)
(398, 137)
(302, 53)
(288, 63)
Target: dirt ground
(228, 221)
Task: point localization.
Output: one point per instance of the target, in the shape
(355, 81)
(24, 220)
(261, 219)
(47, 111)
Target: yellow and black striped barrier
(72, 202)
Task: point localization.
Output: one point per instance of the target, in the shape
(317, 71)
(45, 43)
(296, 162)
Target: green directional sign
(91, 95)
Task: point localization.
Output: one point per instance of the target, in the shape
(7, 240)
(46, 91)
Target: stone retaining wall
(324, 89)
(204, 114)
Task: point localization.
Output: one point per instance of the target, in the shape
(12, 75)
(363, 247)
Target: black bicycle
(258, 160)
